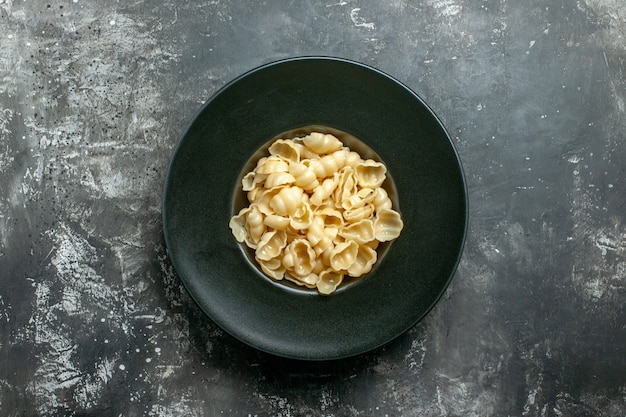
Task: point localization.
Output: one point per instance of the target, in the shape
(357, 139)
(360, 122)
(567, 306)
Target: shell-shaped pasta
(361, 231)
(329, 164)
(254, 223)
(331, 217)
(304, 176)
(352, 159)
(324, 248)
(270, 165)
(309, 281)
(328, 281)
(343, 255)
(299, 257)
(388, 225)
(277, 222)
(315, 231)
(322, 143)
(238, 227)
(250, 180)
(271, 245)
(353, 215)
(370, 173)
(286, 202)
(381, 200)
(360, 198)
(273, 268)
(319, 266)
(245, 226)
(276, 179)
(322, 192)
(346, 187)
(365, 259)
(262, 197)
(303, 216)
(286, 149)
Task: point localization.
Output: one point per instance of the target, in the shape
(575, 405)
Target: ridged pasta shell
(276, 222)
(304, 176)
(237, 225)
(365, 259)
(381, 199)
(370, 173)
(359, 199)
(276, 179)
(249, 181)
(299, 257)
(331, 217)
(352, 159)
(361, 231)
(346, 186)
(353, 215)
(315, 231)
(322, 143)
(286, 149)
(343, 255)
(273, 268)
(271, 164)
(328, 281)
(329, 164)
(388, 225)
(322, 192)
(309, 281)
(262, 197)
(303, 216)
(286, 201)
(271, 244)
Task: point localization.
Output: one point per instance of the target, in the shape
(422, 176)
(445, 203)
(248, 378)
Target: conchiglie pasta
(365, 259)
(321, 143)
(317, 212)
(286, 150)
(388, 225)
(370, 173)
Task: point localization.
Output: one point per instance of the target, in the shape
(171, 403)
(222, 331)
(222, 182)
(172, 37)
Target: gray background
(93, 99)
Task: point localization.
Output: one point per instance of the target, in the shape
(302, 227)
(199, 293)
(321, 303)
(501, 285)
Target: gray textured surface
(93, 97)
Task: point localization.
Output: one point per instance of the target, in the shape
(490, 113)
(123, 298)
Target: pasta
(317, 212)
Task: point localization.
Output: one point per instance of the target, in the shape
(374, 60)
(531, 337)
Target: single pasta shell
(361, 231)
(286, 202)
(304, 176)
(387, 225)
(237, 225)
(274, 270)
(271, 164)
(299, 258)
(271, 244)
(309, 281)
(381, 199)
(343, 255)
(353, 215)
(286, 149)
(331, 217)
(302, 217)
(276, 222)
(276, 179)
(370, 174)
(328, 281)
(364, 261)
(321, 143)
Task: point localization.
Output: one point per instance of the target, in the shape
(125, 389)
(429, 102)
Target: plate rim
(461, 172)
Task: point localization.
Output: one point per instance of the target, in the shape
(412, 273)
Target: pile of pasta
(317, 212)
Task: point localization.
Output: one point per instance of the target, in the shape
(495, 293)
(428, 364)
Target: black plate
(201, 187)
